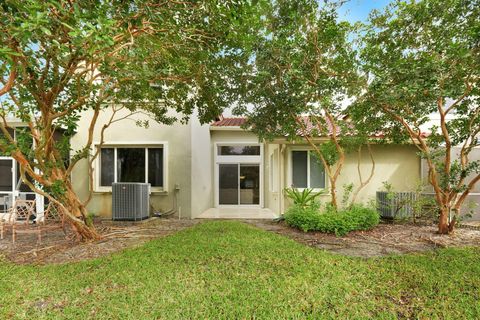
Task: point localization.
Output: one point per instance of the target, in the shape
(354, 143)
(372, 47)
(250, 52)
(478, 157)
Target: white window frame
(237, 159)
(138, 145)
(290, 170)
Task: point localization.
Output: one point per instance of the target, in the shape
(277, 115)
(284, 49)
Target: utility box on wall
(130, 201)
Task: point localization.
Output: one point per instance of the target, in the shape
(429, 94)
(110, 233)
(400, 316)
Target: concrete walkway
(238, 213)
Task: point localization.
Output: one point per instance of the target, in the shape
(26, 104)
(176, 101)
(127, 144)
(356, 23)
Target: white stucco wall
(202, 187)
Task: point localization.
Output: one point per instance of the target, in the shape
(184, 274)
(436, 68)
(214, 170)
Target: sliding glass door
(6, 183)
(249, 184)
(12, 186)
(228, 184)
(239, 184)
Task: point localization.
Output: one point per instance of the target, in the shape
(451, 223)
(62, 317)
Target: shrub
(340, 223)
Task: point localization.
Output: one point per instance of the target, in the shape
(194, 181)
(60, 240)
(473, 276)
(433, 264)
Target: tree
(302, 70)
(423, 58)
(61, 58)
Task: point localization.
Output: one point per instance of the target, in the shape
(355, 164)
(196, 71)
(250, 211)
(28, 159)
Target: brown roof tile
(307, 122)
(229, 122)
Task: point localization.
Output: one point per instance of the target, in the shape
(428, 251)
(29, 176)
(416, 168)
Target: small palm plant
(304, 198)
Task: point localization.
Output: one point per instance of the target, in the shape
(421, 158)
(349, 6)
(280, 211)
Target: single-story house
(221, 170)
(217, 170)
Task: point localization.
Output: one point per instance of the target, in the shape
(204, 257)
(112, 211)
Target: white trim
(227, 128)
(262, 162)
(237, 159)
(146, 166)
(132, 144)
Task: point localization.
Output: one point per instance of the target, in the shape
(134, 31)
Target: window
(131, 165)
(239, 150)
(121, 164)
(307, 170)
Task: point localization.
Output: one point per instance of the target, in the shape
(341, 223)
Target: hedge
(339, 223)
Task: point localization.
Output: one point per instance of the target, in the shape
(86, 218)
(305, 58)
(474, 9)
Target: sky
(358, 10)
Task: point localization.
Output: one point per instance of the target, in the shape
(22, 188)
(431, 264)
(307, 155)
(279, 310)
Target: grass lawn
(232, 270)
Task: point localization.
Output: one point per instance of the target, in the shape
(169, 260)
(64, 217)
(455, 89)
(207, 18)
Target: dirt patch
(56, 247)
(383, 240)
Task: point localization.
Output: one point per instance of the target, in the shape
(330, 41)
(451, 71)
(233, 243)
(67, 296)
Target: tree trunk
(443, 223)
(363, 184)
(76, 214)
(333, 191)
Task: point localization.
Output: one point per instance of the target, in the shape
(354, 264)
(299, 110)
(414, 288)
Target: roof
(310, 126)
(229, 122)
(239, 121)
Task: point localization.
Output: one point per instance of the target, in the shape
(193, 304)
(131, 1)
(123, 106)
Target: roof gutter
(227, 128)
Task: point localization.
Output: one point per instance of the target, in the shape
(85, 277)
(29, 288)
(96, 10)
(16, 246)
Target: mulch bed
(56, 248)
(383, 240)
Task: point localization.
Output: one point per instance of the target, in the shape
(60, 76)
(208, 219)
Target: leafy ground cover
(227, 269)
(341, 222)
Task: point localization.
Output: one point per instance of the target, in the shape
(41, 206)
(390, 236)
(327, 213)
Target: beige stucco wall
(398, 165)
(178, 139)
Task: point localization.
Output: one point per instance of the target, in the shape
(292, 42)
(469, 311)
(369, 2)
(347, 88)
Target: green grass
(232, 270)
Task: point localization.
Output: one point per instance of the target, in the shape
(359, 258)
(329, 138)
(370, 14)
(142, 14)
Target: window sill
(153, 192)
(314, 190)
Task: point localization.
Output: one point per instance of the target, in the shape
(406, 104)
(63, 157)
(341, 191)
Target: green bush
(340, 223)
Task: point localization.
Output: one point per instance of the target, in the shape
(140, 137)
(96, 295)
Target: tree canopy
(303, 70)
(61, 58)
(423, 62)
(303, 64)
